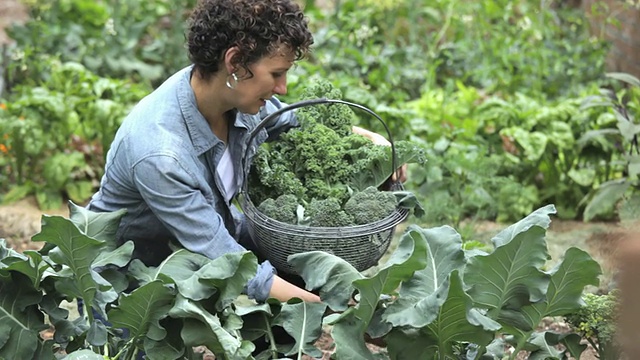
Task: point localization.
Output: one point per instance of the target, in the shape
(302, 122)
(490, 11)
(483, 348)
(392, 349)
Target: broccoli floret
(283, 208)
(370, 205)
(327, 213)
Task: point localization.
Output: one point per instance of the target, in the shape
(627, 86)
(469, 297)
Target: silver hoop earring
(232, 81)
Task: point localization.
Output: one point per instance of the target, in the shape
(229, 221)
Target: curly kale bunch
(323, 159)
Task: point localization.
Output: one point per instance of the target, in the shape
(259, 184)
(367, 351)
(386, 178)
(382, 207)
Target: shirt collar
(201, 135)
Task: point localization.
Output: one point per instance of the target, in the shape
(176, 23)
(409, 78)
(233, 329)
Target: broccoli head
(370, 205)
(284, 208)
(327, 213)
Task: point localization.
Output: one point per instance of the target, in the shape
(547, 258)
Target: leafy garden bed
(507, 291)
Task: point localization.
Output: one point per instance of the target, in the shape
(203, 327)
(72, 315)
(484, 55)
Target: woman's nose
(281, 86)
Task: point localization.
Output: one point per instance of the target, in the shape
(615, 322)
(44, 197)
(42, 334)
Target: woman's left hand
(401, 173)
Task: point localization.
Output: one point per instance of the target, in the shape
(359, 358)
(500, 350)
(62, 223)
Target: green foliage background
(494, 89)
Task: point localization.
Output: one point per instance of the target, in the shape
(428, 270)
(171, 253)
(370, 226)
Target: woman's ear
(229, 59)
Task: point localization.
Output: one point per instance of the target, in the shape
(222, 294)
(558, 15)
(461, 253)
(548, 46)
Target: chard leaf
(564, 293)
(141, 310)
(20, 318)
(606, 197)
(329, 273)
(203, 328)
(422, 295)
(303, 322)
(77, 251)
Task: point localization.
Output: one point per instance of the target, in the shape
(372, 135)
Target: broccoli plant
(596, 322)
(323, 159)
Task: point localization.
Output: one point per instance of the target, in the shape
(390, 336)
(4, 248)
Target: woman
(175, 163)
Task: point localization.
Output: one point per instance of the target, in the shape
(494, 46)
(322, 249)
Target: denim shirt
(161, 168)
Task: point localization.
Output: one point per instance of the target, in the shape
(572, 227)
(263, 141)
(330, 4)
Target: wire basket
(360, 245)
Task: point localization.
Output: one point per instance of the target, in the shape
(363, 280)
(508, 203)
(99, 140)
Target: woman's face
(269, 78)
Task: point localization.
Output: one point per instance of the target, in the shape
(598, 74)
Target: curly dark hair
(257, 27)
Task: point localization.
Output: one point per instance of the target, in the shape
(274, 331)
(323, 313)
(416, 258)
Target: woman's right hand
(285, 291)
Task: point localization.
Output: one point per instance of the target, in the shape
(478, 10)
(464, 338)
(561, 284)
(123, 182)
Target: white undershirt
(225, 172)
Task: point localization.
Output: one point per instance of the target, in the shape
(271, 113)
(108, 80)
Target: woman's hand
(401, 173)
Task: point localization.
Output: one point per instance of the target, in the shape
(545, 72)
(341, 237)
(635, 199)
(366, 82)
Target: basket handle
(312, 102)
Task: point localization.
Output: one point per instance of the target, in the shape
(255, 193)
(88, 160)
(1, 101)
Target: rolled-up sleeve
(171, 192)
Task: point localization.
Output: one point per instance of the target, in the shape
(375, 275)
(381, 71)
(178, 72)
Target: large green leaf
(628, 78)
(539, 217)
(605, 198)
(98, 225)
(510, 277)
(141, 310)
(203, 328)
(229, 274)
(182, 267)
(348, 336)
(119, 257)
(77, 251)
(457, 321)
(546, 342)
(568, 280)
(422, 295)
(409, 256)
(408, 344)
(20, 318)
(302, 320)
(329, 273)
(444, 254)
(29, 264)
(198, 277)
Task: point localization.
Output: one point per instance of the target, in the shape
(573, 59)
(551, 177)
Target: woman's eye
(277, 75)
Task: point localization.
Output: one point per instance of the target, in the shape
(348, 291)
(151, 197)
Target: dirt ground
(10, 11)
